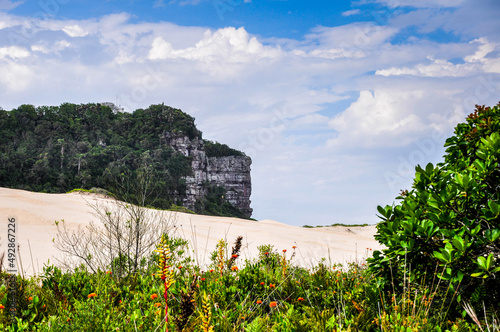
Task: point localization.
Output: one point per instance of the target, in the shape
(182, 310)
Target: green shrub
(449, 221)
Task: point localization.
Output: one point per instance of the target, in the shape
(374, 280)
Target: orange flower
(202, 279)
(157, 304)
(294, 247)
(30, 298)
(234, 256)
(212, 270)
(262, 283)
(258, 301)
(154, 296)
(300, 299)
(234, 268)
(284, 250)
(91, 295)
(273, 304)
(266, 253)
(120, 301)
(180, 266)
(272, 285)
(1, 306)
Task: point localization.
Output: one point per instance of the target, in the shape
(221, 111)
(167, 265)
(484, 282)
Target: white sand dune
(36, 213)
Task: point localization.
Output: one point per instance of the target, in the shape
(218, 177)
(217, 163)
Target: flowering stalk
(164, 272)
(221, 246)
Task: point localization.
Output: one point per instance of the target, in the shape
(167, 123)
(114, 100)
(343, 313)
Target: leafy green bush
(449, 221)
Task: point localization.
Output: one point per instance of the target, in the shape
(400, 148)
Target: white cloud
(228, 45)
(13, 52)
(351, 12)
(75, 31)
(421, 3)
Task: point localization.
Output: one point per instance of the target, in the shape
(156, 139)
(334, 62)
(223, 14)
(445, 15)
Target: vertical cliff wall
(230, 172)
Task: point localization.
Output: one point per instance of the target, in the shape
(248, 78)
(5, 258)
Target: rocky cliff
(229, 172)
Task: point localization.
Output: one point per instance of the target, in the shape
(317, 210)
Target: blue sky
(336, 102)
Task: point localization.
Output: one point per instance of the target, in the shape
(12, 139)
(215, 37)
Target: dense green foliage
(449, 221)
(216, 149)
(59, 148)
(268, 293)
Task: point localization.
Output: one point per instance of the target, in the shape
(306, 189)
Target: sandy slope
(35, 214)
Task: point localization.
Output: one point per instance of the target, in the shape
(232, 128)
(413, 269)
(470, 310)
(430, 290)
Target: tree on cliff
(449, 221)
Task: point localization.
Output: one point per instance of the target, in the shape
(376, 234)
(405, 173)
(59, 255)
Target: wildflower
(30, 298)
(1, 306)
(300, 299)
(91, 295)
(109, 272)
(234, 256)
(273, 304)
(154, 296)
(262, 283)
(157, 304)
(272, 285)
(234, 268)
(258, 302)
(120, 301)
(284, 250)
(180, 267)
(157, 312)
(202, 279)
(212, 270)
(266, 253)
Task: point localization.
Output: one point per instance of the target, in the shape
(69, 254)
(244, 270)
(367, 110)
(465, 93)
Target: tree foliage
(449, 221)
(56, 149)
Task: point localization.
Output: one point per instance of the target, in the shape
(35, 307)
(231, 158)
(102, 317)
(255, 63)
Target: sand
(36, 213)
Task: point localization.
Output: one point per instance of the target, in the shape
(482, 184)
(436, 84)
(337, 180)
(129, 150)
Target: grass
(268, 293)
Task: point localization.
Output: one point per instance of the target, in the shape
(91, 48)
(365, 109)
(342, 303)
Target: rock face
(230, 172)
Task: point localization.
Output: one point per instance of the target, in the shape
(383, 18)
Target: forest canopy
(55, 149)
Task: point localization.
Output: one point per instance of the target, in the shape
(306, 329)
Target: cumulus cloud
(228, 44)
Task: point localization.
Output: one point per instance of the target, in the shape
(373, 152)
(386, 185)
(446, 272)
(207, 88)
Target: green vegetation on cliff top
(55, 149)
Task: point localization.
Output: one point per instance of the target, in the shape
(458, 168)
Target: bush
(450, 220)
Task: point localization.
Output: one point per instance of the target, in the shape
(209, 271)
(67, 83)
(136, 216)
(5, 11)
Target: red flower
(258, 301)
(300, 299)
(1, 306)
(262, 283)
(294, 247)
(91, 295)
(273, 304)
(284, 250)
(266, 253)
(234, 268)
(202, 279)
(272, 285)
(180, 266)
(154, 296)
(234, 256)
